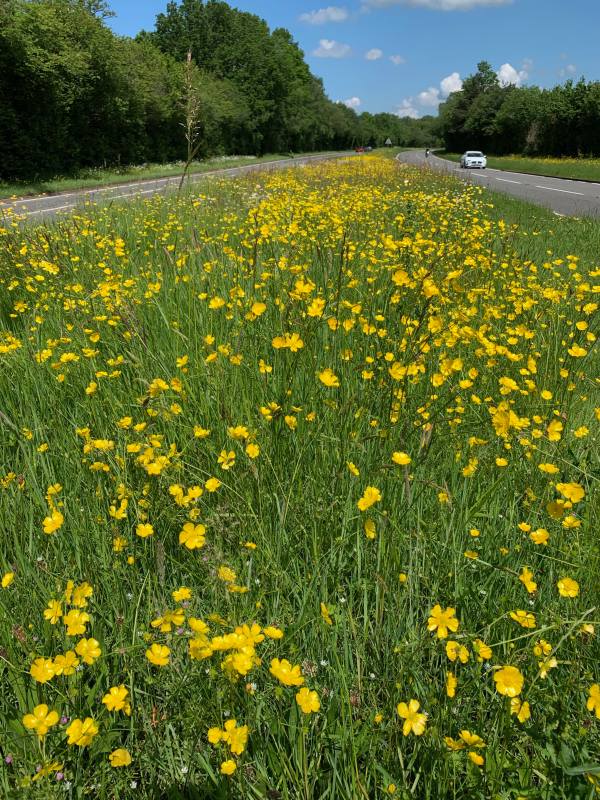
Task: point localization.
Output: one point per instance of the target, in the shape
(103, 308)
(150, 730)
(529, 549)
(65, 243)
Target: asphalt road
(46, 207)
(566, 198)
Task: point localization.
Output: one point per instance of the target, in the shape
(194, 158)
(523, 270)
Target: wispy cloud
(374, 55)
(324, 15)
(568, 71)
(436, 5)
(329, 48)
(353, 102)
(397, 60)
(407, 109)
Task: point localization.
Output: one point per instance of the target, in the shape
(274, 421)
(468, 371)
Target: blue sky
(404, 56)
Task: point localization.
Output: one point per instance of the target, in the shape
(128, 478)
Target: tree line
(74, 95)
(562, 121)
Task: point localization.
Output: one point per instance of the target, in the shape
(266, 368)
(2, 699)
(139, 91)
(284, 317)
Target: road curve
(42, 208)
(567, 198)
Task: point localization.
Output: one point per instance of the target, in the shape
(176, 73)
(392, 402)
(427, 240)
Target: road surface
(565, 197)
(45, 207)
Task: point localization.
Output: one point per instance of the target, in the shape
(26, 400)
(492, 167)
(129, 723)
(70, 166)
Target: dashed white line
(134, 194)
(565, 191)
(505, 180)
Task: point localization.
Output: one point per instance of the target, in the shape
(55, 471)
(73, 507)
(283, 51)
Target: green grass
(441, 303)
(587, 169)
(92, 178)
(542, 234)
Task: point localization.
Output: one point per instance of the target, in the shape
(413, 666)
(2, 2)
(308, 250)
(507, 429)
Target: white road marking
(134, 194)
(505, 180)
(552, 189)
(558, 215)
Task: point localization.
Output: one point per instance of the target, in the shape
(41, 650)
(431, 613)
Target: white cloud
(407, 109)
(436, 5)
(329, 48)
(567, 71)
(352, 102)
(397, 60)
(430, 97)
(325, 15)
(509, 76)
(451, 83)
(374, 54)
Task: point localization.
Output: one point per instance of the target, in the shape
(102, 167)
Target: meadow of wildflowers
(298, 497)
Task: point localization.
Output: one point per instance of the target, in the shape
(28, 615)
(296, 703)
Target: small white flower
(324, 663)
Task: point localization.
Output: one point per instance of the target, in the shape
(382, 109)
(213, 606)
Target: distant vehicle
(359, 149)
(473, 158)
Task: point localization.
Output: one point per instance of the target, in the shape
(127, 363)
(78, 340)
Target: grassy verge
(299, 495)
(93, 178)
(543, 234)
(574, 168)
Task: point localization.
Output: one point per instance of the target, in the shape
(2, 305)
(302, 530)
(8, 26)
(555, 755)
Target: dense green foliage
(562, 121)
(74, 95)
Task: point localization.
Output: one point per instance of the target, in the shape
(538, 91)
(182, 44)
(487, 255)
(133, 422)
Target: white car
(473, 158)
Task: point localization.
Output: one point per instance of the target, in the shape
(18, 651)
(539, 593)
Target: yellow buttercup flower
(329, 378)
(370, 496)
(442, 621)
(308, 701)
(286, 673)
(81, 732)
(414, 721)
(509, 681)
(41, 720)
(158, 655)
(120, 758)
